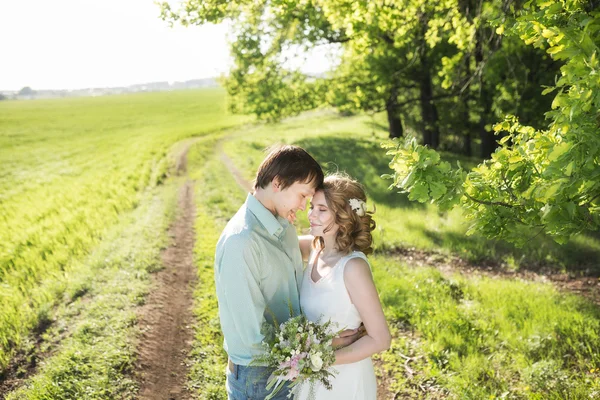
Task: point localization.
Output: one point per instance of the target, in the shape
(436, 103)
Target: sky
(73, 44)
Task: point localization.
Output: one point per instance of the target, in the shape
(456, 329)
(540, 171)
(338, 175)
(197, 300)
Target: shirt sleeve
(240, 294)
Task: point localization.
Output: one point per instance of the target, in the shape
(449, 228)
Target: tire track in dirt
(166, 318)
(236, 173)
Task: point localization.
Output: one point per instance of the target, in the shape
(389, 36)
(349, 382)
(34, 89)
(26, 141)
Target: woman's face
(321, 217)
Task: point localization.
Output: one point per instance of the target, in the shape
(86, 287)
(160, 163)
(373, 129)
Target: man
(258, 265)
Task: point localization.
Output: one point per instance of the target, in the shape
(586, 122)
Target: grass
(90, 347)
(69, 169)
(488, 338)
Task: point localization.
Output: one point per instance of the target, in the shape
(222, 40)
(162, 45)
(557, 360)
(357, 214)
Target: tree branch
(489, 203)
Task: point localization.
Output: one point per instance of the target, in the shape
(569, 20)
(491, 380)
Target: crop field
(89, 188)
(69, 170)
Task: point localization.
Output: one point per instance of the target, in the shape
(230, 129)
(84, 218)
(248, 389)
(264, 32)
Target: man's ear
(276, 184)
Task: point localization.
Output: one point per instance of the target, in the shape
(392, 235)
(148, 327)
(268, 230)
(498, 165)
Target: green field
(86, 196)
(72, 169)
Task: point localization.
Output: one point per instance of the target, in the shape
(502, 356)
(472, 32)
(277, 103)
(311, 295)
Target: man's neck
(265, 199)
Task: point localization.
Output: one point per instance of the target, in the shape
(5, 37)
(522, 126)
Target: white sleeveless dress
(328, 299)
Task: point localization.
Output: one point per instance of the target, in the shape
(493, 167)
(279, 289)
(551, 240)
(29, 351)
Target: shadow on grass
(541, 254)
(364, 160)
(376, 126)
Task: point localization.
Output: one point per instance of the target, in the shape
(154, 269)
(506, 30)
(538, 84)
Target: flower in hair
(358, 206)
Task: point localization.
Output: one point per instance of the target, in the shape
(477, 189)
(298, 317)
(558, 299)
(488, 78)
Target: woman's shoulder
(357, 270)
(356, 260)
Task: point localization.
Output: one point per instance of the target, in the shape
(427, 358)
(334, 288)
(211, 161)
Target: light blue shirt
(258, 267)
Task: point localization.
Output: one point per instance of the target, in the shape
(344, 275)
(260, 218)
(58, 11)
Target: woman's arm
(362, 291)
(305, 245)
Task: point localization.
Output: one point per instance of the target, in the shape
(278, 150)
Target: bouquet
(300, 351)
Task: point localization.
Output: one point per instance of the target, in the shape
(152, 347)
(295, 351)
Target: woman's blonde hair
(354, 231)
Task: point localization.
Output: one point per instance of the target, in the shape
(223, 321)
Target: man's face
(293, 198)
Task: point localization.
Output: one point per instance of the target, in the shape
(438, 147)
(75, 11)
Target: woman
(338, 286)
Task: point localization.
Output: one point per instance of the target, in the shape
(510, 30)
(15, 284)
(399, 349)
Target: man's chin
(291, 217)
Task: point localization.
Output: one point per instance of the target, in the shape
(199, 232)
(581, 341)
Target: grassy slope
(473, 338)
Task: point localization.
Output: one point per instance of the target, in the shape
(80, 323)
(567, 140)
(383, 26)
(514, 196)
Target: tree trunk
(467, 150)
(488, 141)
(393, 115)
(429, 114)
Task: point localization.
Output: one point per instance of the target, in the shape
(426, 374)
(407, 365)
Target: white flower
(315, 340)
(358, 206)
(316, 361)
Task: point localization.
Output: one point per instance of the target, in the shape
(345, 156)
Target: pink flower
(292, 374)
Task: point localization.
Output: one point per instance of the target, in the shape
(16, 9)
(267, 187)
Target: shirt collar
(276, 226)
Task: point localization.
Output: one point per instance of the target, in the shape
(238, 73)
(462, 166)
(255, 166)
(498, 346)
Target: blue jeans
(249, 383)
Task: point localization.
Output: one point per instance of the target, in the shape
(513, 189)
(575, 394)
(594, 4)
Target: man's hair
(290, 164)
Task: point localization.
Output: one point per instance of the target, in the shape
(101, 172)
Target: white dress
(328, 299)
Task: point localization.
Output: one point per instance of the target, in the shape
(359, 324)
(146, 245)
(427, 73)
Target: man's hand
(349, 336)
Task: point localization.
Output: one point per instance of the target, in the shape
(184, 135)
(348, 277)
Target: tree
(392, 55)
(26, 91)
(545, 180)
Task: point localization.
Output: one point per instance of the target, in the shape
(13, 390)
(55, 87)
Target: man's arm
(238, 282)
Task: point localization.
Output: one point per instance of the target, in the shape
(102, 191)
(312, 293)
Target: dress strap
(354, 254)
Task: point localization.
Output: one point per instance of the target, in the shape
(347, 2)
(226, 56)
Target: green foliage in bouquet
(301, 353)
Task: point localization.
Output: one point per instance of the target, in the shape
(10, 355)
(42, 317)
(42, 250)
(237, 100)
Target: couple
(259, 273)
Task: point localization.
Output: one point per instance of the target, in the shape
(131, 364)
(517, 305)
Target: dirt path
(237, 174)
(166, 317)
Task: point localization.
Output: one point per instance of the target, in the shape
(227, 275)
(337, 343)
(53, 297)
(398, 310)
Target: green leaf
(419, 192)
(437, 190)
(558, 151)
(569, 169)
(549, 89)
